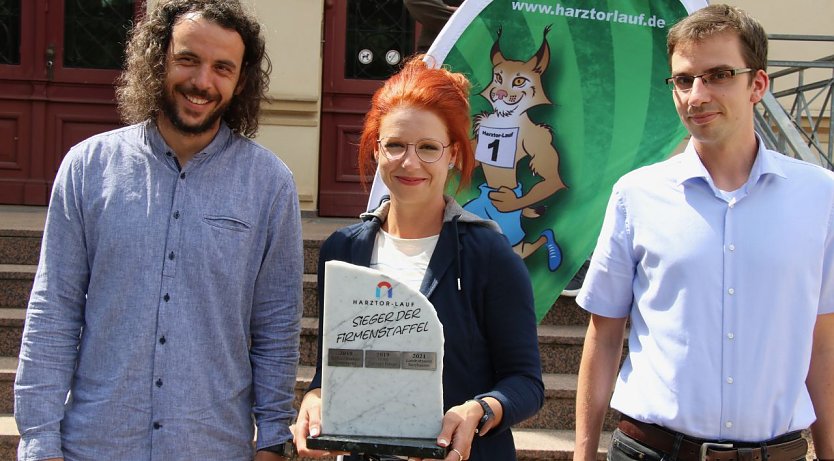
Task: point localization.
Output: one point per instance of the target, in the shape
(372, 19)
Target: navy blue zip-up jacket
(481, 291)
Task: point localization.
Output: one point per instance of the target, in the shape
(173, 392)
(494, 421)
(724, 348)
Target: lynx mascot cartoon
(507, 135)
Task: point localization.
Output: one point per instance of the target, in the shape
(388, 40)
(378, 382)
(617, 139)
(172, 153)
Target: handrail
(794, 126)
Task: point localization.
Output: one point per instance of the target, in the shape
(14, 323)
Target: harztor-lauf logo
(383, 289)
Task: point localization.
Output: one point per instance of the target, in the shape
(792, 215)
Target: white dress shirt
(723, 291)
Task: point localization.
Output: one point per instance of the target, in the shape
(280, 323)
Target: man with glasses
(731, 344)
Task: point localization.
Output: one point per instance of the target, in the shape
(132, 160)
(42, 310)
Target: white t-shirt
(404, 259)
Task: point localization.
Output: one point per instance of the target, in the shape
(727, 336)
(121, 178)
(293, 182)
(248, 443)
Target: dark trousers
(624, 448)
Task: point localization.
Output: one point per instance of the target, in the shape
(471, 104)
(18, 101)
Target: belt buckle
(707, 445)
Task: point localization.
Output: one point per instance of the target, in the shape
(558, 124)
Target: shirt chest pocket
(227, 242)
(227, 223)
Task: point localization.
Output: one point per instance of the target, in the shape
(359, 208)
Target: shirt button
(728, 424)
(730, 335)
(182, 175)
(162, 340)
(732, 204)
(729, 380)
(156, 425)
(166, 297)
(176, 215)
(731, 290)
(732, 247)
(159, 382)
(171, 257)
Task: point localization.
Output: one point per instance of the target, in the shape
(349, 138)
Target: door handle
(50, 62)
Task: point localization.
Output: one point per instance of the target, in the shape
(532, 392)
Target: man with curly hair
(166, 309)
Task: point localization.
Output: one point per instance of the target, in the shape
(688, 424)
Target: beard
(169, 108)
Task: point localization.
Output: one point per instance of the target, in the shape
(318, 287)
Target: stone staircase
(547, 436)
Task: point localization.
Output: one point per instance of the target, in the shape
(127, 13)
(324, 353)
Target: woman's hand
(308, 423)
(459, 425)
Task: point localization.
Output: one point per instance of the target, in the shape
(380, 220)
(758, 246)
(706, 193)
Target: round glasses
(684, 83)
(428, 150)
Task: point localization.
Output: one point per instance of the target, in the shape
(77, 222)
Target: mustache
(190, 90)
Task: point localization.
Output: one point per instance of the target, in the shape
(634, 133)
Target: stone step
(19, 246)
(556, 414)
(565, 311)
(20, 237)
(16, 284)
(531, 444)
(21, 230)
(560, 346)
(8, 371)
(11, 331)
(8, 437)
(559, 410)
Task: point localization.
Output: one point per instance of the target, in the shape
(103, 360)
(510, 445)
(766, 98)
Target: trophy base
(398, 446)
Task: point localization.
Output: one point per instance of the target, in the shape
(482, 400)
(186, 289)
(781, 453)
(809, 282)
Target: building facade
(328, 57)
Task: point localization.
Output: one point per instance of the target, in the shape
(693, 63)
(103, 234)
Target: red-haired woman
(418, 131)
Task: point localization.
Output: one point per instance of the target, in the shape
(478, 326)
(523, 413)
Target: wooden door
(365, 42)
(58, 63)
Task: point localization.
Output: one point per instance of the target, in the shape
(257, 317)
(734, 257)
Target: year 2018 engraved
(345, 358)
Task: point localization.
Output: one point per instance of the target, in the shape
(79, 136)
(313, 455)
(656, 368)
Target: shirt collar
(161, 148)
(690, 165)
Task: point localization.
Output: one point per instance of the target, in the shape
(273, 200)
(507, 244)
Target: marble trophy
(382, 366)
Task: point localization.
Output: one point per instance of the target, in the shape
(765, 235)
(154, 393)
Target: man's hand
(308, 423)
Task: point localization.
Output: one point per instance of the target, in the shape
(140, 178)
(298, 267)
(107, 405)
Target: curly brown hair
(140, 88)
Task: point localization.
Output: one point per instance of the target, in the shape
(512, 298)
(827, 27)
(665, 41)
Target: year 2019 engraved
(382, 359)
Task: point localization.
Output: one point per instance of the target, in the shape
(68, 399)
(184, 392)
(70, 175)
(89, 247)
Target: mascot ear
(495, 54)
(543, 55)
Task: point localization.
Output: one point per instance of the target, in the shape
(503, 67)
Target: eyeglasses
(683, 83)
(428, 150)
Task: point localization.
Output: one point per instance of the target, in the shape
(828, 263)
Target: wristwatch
(286, 449)
(488, 414)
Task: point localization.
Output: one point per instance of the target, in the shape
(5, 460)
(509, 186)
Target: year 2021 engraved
(419, 360)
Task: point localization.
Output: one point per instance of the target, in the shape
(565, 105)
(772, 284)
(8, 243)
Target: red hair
(420, 86)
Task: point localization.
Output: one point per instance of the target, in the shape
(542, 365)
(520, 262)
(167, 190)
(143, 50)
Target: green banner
(566, 97)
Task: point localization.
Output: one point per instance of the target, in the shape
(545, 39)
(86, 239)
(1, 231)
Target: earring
(451, 166)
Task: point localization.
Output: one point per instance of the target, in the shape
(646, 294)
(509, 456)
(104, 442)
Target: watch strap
(488, 414)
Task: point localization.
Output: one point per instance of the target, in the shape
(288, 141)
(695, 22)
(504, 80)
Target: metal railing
(793, 119)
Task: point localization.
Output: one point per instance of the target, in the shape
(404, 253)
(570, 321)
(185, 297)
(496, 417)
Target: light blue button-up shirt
(723, 291)
(167, 301)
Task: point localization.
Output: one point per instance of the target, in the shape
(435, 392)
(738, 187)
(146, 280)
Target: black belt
(789, 447)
